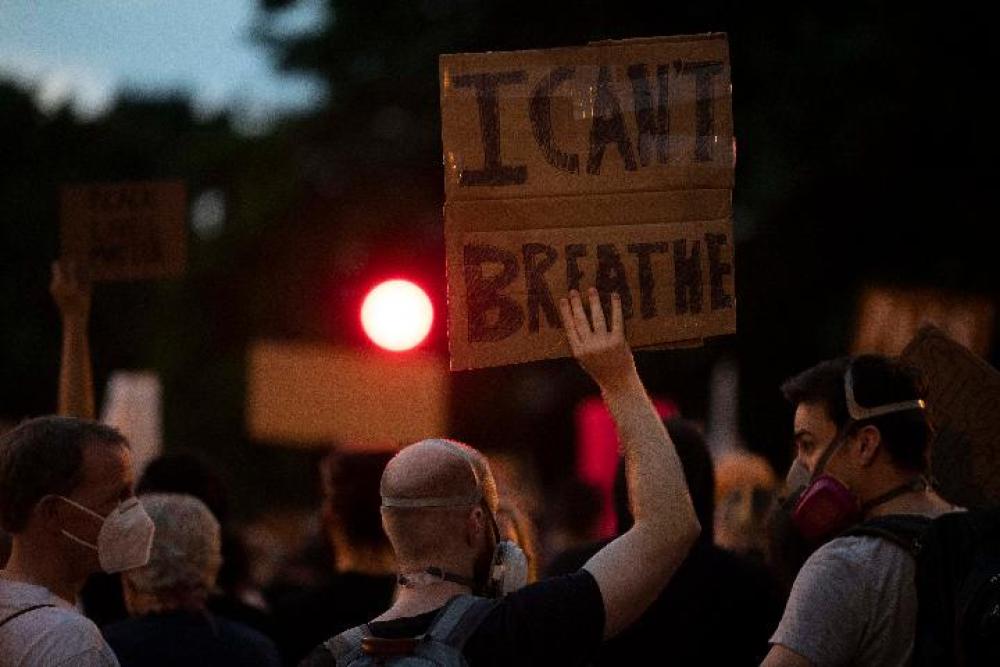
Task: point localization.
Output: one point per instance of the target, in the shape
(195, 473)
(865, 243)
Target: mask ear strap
(493, 519)
(830, 449)
(80, 507)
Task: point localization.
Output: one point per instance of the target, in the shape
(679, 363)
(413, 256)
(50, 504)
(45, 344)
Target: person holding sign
(439, 502)
(70, 289)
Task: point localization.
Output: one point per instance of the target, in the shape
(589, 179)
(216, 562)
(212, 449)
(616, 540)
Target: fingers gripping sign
(602, 351)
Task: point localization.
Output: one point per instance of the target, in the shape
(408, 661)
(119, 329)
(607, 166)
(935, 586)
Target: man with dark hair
(66, 497)
(439, 502)
(861, 438)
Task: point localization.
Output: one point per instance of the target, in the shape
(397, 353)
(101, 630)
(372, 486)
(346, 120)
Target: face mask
(509, 571)
(125, 538)
(507, 568)
(826, 506)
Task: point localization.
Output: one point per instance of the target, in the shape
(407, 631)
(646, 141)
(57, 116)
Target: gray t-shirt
(50, 636)
(853, 603)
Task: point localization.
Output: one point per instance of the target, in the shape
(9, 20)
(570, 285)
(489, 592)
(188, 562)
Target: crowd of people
(421, 553)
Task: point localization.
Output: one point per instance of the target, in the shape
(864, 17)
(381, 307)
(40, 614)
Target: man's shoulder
(37, 608)
(550, 620)
(58, 634)
(855, 548)
(68, 626)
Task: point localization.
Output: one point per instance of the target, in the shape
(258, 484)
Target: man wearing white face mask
(66, 496)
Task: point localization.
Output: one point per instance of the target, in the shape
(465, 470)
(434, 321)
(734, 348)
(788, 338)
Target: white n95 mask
(125, 538)
(509, 570)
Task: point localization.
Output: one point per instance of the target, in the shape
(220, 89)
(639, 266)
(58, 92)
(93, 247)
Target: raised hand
(602, 351)
(70, 290)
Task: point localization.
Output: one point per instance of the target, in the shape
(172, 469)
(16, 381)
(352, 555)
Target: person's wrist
(74, 320)
(625, 380)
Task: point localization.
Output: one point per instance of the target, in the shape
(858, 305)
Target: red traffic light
(397, 315)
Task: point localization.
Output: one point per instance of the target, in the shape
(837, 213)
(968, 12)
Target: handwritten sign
(125, 231)
(608, 165)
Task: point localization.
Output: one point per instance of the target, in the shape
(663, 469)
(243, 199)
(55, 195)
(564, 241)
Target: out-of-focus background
(308, 135)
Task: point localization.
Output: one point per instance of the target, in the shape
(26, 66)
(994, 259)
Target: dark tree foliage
(864, 153)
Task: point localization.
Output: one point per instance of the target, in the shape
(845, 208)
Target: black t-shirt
(559, 621)
(181, 639)
(718, 609)
(306, 617)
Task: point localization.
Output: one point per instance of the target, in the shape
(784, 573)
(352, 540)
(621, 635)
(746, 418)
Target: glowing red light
(397, 315)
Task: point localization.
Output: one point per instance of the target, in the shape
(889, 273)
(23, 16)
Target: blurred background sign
(311, 395)
(964, 403)
(889, 318)
(125, 231)
(132, 404)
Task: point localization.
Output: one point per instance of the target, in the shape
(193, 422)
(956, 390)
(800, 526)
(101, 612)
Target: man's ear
(869, 440)
(475, 523)
(47, 512)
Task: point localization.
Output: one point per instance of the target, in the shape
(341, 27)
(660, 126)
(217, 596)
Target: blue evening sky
(82, 52)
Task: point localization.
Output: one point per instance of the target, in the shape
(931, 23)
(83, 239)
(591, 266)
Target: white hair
(187, 546)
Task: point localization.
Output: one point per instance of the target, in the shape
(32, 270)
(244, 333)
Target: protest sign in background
(313, 395)
(608, 165)
(964, 404)
(125, 231)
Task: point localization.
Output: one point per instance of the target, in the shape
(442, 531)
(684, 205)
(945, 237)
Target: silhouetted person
(361, 577)
(194, 474)
(718, 609)
(171, 625)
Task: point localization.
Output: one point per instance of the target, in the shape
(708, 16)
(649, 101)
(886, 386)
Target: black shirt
(559, 621)
(185, 639)
(306, 617)
(718, 609)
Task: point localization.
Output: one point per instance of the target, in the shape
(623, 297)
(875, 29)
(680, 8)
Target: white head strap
(442, 501)
(858, 413)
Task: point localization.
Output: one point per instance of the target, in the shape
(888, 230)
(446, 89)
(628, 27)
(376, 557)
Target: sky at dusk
(83, 52)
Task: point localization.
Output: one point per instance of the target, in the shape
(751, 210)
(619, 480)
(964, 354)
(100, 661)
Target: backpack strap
(459, 619)
(903, 530)
(346, 647)
(20, 612)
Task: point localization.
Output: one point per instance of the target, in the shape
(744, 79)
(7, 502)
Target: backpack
(957, 583)
(440, 646)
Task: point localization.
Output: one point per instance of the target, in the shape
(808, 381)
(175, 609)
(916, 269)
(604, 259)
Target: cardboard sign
(889, 317)
(608, 165)
(312, 395)
(126, 231)
(646, 114)
(964, 404)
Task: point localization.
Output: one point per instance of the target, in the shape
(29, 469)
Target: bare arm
(71, 293)
(633, 569)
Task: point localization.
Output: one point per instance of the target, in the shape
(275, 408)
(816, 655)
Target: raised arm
(633, 569)
(71, 292)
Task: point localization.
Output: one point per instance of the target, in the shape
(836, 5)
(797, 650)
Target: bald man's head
(428, 491)
(438, 473)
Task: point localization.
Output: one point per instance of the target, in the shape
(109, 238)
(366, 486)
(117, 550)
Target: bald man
(439, 501)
